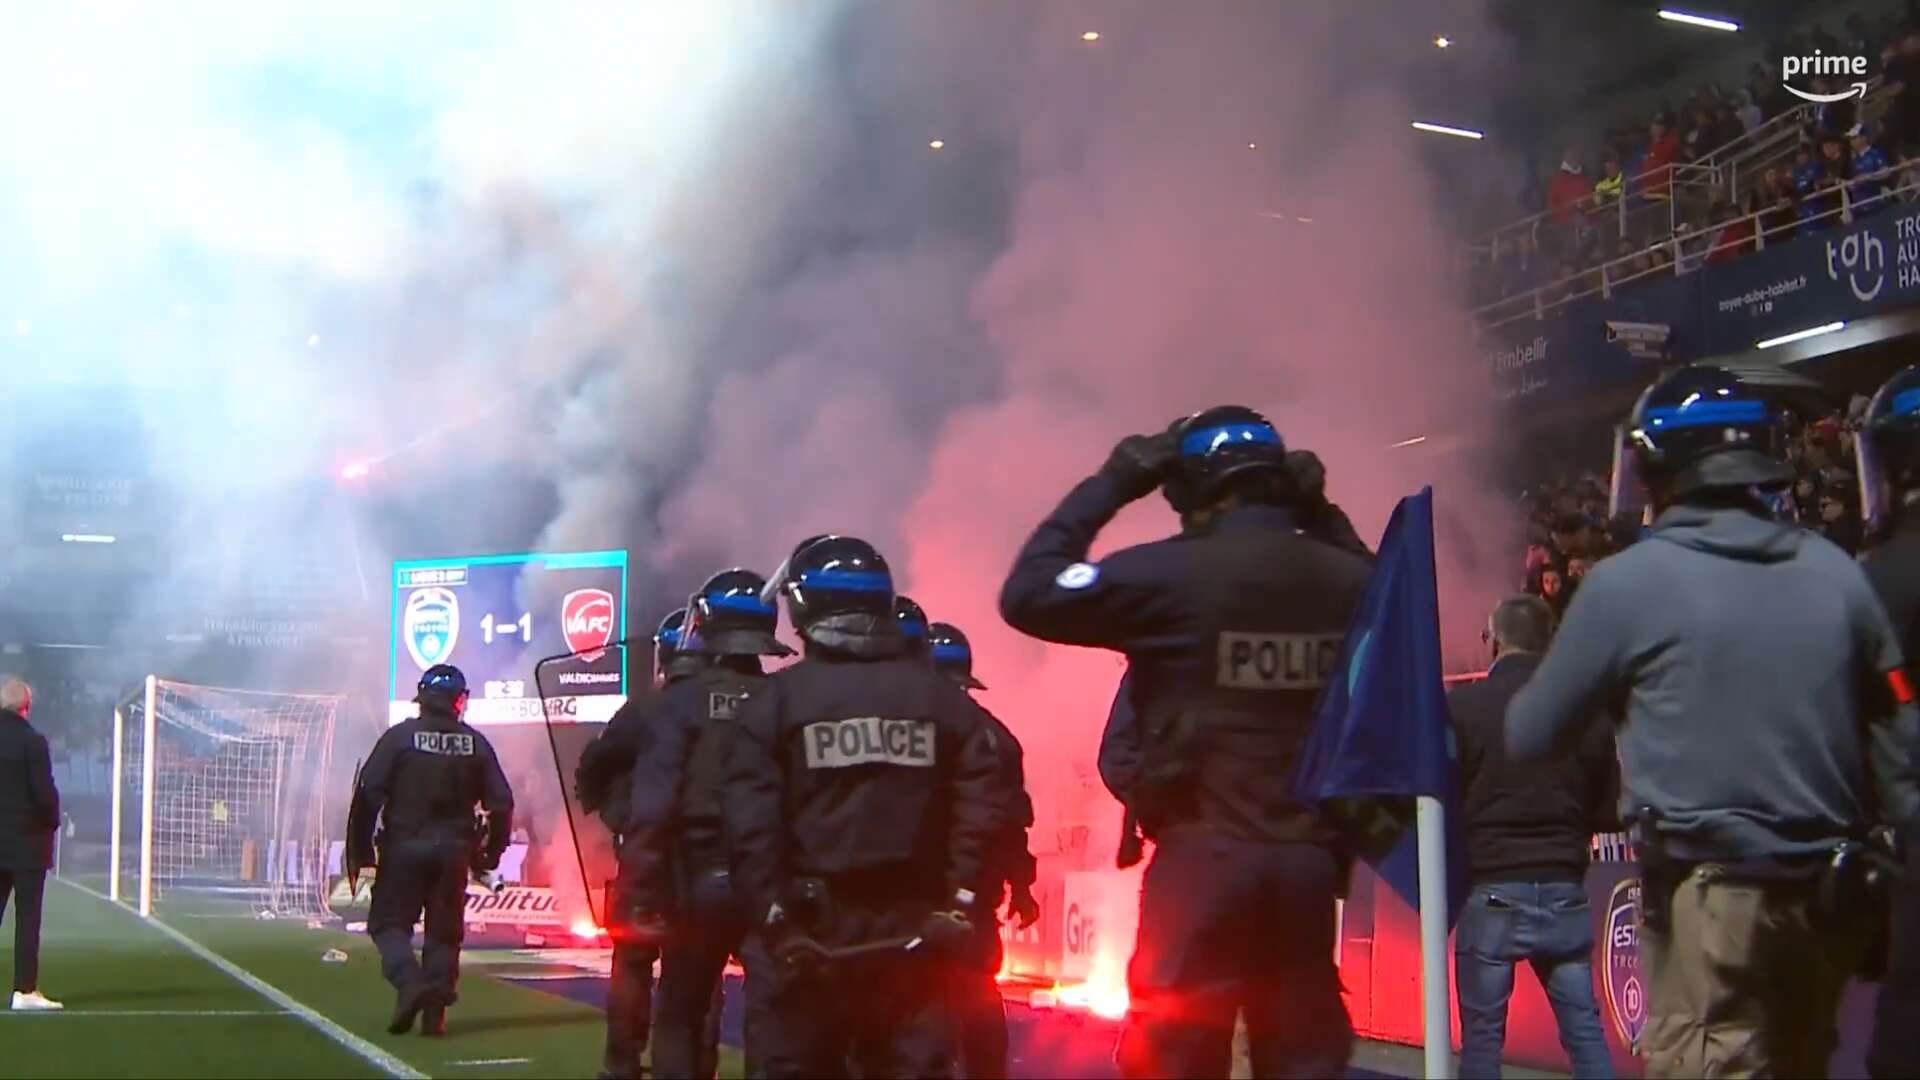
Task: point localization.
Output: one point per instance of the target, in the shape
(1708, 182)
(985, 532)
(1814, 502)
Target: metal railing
(1689, 251)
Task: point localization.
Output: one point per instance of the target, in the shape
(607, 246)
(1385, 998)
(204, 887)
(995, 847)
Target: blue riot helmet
(1222, 445)
(443, 688)
(1887, 451)
(953, 655)
(912, 620)
(729, 616)
(837, 583)
(676, 652)
(1702, 429)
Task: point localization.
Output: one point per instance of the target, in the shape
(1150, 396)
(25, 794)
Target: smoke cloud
(688, 279)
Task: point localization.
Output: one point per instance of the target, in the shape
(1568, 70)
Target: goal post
(225, 789)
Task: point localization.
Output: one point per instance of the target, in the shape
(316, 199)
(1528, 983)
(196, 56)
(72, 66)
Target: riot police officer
(1764, 715)
(911, 618)
(423, 780)
(1888, 452)
(603, 784)
(861, 798)
(675, 857)
(1230, 630)
(980, 1012)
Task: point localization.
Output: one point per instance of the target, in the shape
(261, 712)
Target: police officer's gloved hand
(1025, 909)
(1140, 463)
(951, 927)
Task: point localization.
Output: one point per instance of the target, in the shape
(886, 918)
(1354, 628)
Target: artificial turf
(109, 967)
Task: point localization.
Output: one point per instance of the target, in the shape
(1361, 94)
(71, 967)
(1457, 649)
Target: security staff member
(675, 855)
(1765, 717)
(980, 1012)
(603, 784)
(861, 797)
(1888, 452)
(1230, 630)
(424, 779)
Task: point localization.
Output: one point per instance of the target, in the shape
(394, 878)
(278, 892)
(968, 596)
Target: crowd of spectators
(1569, 527)
(1579, 244)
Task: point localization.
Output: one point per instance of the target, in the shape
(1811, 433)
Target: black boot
(406, 1008)
(620, 1067)
(433, 1017)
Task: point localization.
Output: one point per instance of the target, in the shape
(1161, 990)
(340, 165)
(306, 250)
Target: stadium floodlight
(1090, 36)
(1442, 42)
(1800, 335)
(357, 470)
(936, 144)
(1445, 129)
(1415, 441)
(1704, 21)
(87, 538)
(228, 788)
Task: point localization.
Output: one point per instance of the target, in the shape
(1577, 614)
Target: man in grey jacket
(1765, 722)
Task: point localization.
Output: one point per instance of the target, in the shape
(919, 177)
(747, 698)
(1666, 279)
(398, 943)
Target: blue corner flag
(1385, 732)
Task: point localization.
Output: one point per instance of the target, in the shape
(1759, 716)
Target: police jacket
(674, 794)
(1229, 631)
(1009, 860)
(874, 765)
(29, 803)
(603, 780)
(424, 777)
(1749, 660)
(1893, 568)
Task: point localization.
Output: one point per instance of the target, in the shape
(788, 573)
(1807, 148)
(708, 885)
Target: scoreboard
(495, 616)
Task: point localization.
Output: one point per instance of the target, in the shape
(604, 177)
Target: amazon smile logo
(1825, 67)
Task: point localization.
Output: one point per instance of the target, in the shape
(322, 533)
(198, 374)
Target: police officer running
(1766, 720)
(675, 858)
(603, 784)
(980, 1012)
(423, 780)
(861, 798)
(1230, 630)
(1888, 452)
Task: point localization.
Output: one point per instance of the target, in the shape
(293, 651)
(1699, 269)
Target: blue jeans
(1548, 926)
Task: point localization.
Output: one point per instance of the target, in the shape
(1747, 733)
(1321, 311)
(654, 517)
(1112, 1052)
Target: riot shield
(1628, 495)
(571, 740)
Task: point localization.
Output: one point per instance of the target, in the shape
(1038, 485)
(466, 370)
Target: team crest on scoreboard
(431, 625)
(1626, 993)
(586, 617)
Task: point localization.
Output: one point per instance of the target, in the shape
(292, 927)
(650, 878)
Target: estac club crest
(431, 625)
(1626, 993)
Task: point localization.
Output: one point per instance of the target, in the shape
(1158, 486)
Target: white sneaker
(34, 1002)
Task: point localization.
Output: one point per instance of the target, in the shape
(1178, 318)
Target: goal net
(220, 793)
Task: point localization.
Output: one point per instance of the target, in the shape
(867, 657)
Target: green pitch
(141, 1004)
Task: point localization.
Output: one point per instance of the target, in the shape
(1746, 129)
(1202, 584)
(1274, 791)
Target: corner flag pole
(1431, 836)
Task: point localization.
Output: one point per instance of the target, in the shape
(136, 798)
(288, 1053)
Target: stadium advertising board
(1592, 344)
(1841, 273)
(494, 616)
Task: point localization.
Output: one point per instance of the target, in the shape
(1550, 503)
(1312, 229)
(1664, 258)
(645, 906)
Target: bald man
(29, 819)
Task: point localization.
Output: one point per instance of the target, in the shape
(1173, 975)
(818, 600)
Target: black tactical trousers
(427, 875)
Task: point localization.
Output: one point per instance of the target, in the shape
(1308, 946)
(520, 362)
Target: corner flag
(1384, 733)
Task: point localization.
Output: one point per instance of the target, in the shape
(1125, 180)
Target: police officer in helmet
(911, 618)
(980, 1013)
(861, 798)
(1763, 723)
(675, 857)
(1230, 629)
(603, 785)
(424, 780)
(1888, 451)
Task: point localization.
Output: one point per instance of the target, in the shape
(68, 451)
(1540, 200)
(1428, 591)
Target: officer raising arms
(674, 858)
(1766, 720)
(424, 779)
(982, 1015)
(1888, 448)
(1230, 630)
(861, 798)
(603, 783)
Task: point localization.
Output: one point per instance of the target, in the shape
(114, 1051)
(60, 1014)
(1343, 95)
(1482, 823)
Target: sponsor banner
(1840, 273)
(1594, 344)
(486, 712)
(1100, 913)
(515, 905)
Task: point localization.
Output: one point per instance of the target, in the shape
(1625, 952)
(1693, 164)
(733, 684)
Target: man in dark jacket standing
(29, 819)
(1528, 832)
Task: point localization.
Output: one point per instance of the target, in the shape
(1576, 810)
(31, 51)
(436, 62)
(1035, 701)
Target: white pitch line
(340, 1036)
(485, 1062)
(94, 1014)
